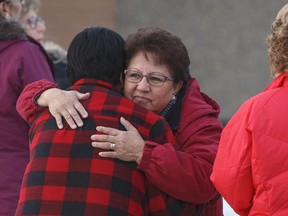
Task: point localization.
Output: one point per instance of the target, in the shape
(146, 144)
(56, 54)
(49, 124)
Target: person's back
(257, 154)
(251, 166)
(65, 175)
(269, 117)
(21, 62)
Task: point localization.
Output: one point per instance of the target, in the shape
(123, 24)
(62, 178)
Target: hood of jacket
(196, 104)
(10, 33)
(190, 105)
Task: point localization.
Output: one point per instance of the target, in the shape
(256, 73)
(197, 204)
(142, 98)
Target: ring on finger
(112, 146)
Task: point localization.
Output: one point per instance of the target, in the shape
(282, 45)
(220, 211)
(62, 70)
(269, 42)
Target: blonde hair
(30, 5)
(278, 42)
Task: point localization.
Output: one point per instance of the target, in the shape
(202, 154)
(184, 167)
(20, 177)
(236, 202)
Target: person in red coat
(251, 167)
(157, 77)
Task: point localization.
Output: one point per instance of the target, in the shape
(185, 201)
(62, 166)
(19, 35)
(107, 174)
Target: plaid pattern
(65, 175)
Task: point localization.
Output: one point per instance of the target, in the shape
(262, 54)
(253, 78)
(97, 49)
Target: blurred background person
(58, 55)
(33, 24)
(21, 62)
(251, 166)
(35, 27)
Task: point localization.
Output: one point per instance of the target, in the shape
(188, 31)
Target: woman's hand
(66, 104)
(128, 144)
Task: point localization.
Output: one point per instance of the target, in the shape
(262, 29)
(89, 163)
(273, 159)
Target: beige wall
(65, 18)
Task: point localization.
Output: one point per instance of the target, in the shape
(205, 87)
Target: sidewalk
(228, 211)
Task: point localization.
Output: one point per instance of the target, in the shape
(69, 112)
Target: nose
(143, 85)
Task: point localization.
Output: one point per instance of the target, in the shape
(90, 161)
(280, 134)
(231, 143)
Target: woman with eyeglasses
(33, 24)
(35, 27)
(21, 62)
(157, 77)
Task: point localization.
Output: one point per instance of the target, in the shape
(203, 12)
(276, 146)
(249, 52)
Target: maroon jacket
(185, 174)
(21, 62)
(66, 176)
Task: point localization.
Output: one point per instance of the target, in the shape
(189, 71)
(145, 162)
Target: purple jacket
(21, 62)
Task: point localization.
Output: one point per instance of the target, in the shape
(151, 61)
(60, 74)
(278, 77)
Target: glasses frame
(166, 78)
(33, 21)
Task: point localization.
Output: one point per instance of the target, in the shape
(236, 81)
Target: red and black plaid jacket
(66, 176)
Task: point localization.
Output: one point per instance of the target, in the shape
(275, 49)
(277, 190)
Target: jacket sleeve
(185, 173)
(232, 173)
(25, 104)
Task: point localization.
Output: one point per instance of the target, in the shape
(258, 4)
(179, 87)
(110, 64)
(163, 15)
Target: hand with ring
(129, 143)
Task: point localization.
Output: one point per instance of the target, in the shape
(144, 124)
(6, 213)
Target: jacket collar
(95, 82)
(279, 81)
(11, 30)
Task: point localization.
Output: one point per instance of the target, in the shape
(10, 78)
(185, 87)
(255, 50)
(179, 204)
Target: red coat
(185, 174)
(251, 167)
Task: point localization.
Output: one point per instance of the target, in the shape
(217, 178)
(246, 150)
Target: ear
(122, 78)
(177, 87)
(3, 9)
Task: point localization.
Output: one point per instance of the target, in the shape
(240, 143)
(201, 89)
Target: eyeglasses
(154, 78)
(34, 21)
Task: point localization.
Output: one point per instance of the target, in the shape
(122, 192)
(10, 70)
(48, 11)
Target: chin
(145, 105)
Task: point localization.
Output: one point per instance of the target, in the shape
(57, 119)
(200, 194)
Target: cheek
(30, 31)
(161, 99)
(128, 90)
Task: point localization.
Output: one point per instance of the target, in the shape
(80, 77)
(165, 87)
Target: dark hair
(96, 53)
(167, 49)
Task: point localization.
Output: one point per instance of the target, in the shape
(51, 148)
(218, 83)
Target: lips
(141, 100)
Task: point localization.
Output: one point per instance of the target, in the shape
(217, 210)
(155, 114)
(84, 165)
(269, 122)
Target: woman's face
(153, 98)
(34, 25)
